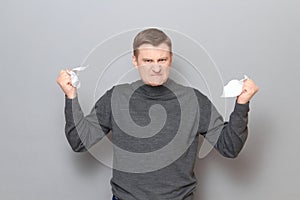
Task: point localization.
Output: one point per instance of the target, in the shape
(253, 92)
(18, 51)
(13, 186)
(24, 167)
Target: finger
(69, 70)
(63, 74)
(64, 78)
(248, 80)
(251, 85)
(68, 76)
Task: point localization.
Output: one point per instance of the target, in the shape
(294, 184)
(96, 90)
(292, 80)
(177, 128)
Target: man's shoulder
(117, 87)
(120, 89)
(199, 94)
(186, 88)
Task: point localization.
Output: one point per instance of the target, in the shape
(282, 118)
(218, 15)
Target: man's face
(153, 63)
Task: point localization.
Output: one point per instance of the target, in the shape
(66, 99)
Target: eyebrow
(166, 58)
(162, 58)
(144, 59)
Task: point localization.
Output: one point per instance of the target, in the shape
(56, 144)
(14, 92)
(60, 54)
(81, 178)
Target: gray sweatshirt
(155, 134)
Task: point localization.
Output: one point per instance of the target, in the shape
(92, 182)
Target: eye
(147, 60)
(162, 60)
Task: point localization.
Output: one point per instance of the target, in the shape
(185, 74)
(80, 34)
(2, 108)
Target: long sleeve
(81, 131)
(234, 132)
(227, 137)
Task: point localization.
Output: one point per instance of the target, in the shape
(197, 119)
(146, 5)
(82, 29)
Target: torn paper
(74, 75)
(233, 88)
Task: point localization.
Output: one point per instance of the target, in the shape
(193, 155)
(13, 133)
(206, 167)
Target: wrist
(242, 102)
(71, 96)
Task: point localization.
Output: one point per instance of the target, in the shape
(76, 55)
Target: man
(160, 144)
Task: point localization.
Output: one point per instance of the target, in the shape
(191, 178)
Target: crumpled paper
(74, 75)
(233, 88)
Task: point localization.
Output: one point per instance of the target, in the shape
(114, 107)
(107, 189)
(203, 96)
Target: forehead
(148, 50)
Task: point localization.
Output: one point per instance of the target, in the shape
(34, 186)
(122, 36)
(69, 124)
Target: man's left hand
(249, 90)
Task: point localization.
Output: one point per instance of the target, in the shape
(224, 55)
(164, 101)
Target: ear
(134, 61)
(171, 58)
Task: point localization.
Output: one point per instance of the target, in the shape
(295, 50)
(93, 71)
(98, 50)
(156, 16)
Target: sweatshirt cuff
(71, 103)
(242, 108)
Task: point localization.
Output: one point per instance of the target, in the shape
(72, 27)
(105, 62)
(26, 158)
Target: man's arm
(232, 135)
(227, 137)
(83, 131)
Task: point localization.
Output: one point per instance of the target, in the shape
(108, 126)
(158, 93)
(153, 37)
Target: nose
(156, 68)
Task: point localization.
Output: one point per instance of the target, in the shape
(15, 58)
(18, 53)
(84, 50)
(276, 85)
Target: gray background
(259, 38)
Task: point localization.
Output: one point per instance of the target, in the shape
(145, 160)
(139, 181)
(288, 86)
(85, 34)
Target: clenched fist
(64, 81)
(248, 91)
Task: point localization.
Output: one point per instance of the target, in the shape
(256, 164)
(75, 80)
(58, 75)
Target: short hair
(152, 36)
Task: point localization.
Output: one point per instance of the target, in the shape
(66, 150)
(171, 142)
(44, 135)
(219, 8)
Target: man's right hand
(64, 81)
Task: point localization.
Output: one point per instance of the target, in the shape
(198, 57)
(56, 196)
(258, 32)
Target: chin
(154, 84)
(155, 81)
